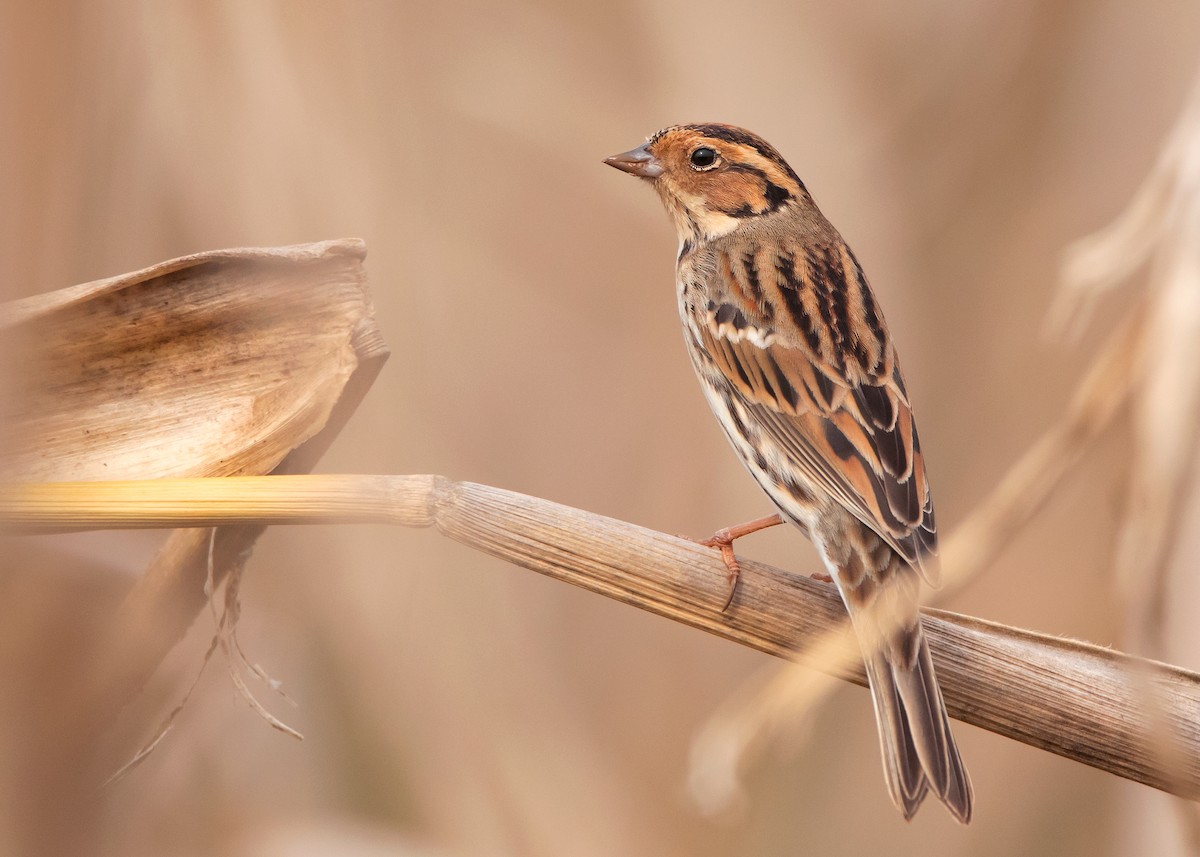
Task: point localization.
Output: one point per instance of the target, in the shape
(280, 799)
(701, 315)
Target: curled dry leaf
(230, 362)
(216, 364)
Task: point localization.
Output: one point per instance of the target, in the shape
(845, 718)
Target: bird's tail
(918, 748)
(919, 752)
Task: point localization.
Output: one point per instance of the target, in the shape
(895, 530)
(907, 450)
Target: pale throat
(694, 221)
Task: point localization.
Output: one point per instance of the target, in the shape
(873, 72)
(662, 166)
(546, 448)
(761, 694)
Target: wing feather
(846, 425)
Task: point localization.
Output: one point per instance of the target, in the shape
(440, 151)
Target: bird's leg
(723, 540)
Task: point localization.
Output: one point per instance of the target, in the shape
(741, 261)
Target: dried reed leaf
(211, 365)
(1098, 263)
(1166, 410)
(244, 361)
(1162, 224)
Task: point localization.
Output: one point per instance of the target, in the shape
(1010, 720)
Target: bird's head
(713, 177)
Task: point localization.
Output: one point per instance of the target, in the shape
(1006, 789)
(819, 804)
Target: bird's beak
(637, 162)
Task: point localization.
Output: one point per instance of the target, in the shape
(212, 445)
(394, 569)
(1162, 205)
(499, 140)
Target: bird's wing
(796, 332)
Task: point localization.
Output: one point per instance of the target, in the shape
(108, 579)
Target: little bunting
(795, 359)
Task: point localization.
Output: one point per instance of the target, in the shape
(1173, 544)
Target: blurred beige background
(453, 705)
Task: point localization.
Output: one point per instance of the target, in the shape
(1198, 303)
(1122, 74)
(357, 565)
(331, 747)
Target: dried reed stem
(1070, 698)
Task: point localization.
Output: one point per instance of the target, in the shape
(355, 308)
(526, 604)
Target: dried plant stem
(1070, 698)
(1101, 394)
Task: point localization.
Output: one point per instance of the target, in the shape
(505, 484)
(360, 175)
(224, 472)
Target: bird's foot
(723, 540)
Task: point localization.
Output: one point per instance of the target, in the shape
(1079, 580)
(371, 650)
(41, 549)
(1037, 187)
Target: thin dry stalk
(774, 706)
(1161, 231)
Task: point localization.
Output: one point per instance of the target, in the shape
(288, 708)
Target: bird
(795, 359)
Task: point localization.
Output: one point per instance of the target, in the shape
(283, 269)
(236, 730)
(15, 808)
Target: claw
(723, 540)
(724, 544)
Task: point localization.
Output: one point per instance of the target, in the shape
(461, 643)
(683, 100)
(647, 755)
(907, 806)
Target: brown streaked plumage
(796, 361)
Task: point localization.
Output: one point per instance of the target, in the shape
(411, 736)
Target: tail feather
(927, 733)
(919, 753)
(902, 769)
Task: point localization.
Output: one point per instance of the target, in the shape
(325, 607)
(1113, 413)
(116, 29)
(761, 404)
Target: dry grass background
(457, 706)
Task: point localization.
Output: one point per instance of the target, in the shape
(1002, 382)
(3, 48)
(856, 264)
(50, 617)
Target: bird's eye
(703, 158)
